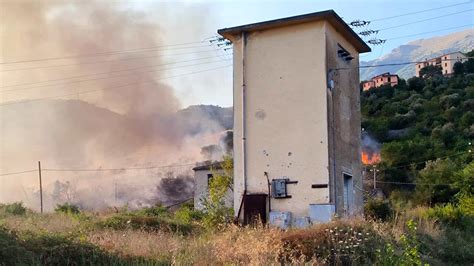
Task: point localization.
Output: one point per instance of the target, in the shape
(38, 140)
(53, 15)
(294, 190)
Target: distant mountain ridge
(416, 51)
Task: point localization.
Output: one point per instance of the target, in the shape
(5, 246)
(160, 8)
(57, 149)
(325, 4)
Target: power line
(99, 169)
(420, 33)
(398, 64)
(108, 72)
(178, 203)
(422, 162)
(125, 85)
(17, 173)
(111, 61)
(421, 11)
(115, 169)
(412, 183)
(418, 21)
(153, 48)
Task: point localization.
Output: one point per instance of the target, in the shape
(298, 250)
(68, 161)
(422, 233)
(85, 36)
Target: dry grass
(137, 243)
(48, 223)
(249, 246)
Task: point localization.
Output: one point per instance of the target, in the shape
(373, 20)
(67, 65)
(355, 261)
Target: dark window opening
(209, 178)
(348, 191)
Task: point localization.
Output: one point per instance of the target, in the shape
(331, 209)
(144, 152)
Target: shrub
(378, 210)
(333, 244)
(187, 214)
(155, 211)
(136, 222)
(406, 254)
(216, 212)
(15, 208)
(67, 208)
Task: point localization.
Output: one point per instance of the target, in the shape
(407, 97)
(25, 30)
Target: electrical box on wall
(279, 188)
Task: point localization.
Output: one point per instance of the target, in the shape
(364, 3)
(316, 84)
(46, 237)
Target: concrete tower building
(296, 119)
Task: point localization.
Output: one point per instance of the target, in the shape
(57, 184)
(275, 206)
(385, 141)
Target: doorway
(348, 194)
(255, 208)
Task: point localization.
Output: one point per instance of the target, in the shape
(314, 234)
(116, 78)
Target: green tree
(216, 211)
(416, 83)
(431, 71)
(436, 182)
(458, 68)
(469, 64)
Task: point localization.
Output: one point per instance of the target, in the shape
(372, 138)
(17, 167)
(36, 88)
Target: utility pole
(41, 185)
(375, 177)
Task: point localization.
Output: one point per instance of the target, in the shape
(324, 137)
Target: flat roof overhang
(328, 15)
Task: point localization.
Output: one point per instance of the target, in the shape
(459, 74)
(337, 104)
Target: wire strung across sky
(99, 169)
(426, 32)
(111, 72)
(154, 48)
(113, 60)
(121, 86)
(396, 64)
(421, 11)
(427, 19)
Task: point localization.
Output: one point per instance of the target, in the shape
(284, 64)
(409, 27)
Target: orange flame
(372, 158)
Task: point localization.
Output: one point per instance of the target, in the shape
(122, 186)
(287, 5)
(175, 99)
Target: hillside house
(203, 174)
(296, 119)
(445, 61)
(380, 80)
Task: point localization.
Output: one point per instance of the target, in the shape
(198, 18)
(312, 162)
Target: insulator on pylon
(368, 32)
(359, 23)
(376, 41)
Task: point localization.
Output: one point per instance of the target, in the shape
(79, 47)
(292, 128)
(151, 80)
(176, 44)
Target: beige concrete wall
(446, 62)
(286, 114)
(344, 131)
(201, 190)
(449, 61)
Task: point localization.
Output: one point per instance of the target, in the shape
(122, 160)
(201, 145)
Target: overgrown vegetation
(425, 126)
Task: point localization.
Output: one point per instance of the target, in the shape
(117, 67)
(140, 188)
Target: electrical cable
(154, 48)
(126, 85)
(421, 11)
(111, 61)
(427, 19)
(109, 72)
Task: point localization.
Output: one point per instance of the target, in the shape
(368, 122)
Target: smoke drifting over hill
(116, 126)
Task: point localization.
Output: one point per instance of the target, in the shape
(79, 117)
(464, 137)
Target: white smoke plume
(114, 127)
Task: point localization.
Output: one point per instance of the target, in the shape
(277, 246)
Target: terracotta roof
(328, 15)
(209, 166)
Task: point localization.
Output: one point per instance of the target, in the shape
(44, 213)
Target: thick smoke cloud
(116, 126)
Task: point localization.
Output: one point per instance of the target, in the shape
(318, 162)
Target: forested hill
(430, 118)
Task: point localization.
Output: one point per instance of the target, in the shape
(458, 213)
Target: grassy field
(156, 236)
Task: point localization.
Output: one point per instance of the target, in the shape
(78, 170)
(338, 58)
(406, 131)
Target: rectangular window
(388, 79)
(445, 64)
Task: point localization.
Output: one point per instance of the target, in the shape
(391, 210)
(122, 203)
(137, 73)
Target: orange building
(382, 79)
(446, 62)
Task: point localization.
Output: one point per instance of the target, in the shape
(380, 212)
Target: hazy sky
(221, 14)
(193, 21)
